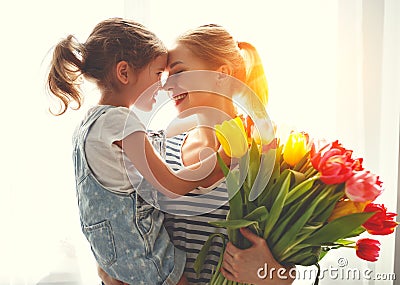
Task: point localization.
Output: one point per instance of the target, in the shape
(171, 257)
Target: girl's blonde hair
(111, 41)
(213, 44)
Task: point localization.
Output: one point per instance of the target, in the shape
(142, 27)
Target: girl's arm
(147, 161)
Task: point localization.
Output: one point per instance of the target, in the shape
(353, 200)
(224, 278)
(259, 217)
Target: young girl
(125, 232)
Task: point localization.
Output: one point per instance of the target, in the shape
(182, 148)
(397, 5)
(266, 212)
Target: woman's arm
(147, 161)
(179, 126)
(255, 265)
(107, 279)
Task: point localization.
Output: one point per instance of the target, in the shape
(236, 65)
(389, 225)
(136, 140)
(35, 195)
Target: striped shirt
(188, 226)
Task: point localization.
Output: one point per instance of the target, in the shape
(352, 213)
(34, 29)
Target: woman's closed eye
(173, 78)
(176, 72)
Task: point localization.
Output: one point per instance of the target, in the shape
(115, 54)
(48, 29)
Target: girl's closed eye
(162, 77)
(159, 75)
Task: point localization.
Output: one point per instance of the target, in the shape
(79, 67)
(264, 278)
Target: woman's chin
(182, 108)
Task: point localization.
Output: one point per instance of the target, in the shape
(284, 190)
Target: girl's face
(181, 59)
(149, 76)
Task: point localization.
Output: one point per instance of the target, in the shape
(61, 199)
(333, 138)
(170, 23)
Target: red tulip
(363, 186)
(272, 145)
(382, 223)
(335, 163)
(368, 249)
(248, 125)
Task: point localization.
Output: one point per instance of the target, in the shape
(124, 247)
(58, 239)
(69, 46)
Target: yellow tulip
(346, 207)
(232, 136)
(295, 148)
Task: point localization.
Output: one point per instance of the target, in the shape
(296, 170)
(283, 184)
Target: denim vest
(126, 234)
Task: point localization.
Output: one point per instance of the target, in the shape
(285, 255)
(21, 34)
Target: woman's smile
(179, 98)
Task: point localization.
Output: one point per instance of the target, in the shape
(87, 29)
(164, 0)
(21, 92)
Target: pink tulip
(363, 186)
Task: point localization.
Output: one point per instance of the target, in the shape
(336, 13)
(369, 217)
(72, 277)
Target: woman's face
(181, 59)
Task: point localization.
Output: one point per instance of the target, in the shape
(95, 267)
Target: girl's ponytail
(66, 67)
(255, 75)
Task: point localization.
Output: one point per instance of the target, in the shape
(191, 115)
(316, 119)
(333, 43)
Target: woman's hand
(250, 265)
(107, 279)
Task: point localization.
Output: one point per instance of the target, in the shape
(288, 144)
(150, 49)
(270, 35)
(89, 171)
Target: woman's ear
(226, 69)
(122, 72)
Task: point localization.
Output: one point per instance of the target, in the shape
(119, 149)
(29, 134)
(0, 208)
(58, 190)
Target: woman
(212, 48)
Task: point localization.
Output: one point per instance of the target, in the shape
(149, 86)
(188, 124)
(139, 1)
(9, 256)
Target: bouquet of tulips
(315, 200)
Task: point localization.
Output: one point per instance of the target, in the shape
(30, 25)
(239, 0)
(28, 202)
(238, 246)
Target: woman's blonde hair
(216, 46)
(111, 41)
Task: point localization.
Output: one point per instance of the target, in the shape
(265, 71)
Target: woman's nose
(169, 84)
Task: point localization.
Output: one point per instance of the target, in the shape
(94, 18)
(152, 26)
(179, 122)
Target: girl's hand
(246, 265)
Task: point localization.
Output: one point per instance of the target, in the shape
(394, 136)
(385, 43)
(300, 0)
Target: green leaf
(244, 162)
(260, 214)
(344, 242)
(245, 196)
(310, 260)
(356, 232)
(290, 238)
(301, 253)
(324, 210)
(323, 253)
(300, 190)
(233, 224)
(232, 183)
(339, 228)
(250, 206)
(292, 213)
(233, 235)
(254, 164)
(277, 166)
(309, 228)
(221, 162)
(277, 207)
(273, 192)
(199, 262)
(298, 177)
(266, 168)
(283, 222)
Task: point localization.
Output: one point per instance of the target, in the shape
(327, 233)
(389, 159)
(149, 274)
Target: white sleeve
(117, 123)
